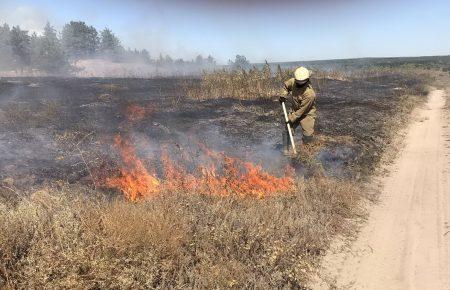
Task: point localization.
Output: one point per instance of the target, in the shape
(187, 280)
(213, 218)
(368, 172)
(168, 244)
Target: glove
(282, 99)
(292, 118)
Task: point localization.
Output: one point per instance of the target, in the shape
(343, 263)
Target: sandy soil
(406, 241)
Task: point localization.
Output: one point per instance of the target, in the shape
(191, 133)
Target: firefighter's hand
(282, 99)
(292, 118)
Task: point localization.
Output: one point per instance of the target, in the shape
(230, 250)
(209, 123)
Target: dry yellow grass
(65, 237)
(242, 84)
(265, 83)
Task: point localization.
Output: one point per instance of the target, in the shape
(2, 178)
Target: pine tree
(6, 59)
(79, 40)
(35, 50)
(109, 43)
(240, 62)
(145, 55)
(199, 60)
(51, 54)
(20, 43)
(210, 60)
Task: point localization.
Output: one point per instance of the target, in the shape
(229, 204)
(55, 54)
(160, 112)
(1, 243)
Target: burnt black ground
(56, 128)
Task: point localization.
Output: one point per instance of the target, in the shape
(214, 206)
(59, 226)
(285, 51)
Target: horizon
(357, 58)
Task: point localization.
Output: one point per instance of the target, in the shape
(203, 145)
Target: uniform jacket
(303, 99)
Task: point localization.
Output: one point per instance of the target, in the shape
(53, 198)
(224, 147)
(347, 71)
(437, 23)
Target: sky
(276, 31)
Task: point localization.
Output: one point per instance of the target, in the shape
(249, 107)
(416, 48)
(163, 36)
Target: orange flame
(223, 176)
(135, 181)
(218, 175)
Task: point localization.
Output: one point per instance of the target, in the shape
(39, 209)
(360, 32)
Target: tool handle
(289, 129)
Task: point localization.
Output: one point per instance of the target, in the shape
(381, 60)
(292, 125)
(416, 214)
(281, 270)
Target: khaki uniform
(304, 106)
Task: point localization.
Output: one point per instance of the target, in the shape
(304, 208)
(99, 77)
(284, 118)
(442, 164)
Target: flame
(216, 174)
(220, 175)
(135, 181)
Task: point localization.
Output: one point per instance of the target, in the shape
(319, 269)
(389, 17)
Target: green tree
(168, 60)
(199, 60)
(6, 54)
(20, 44)
(51, 57)
(35, 46)
(160, 60)
(179, 62)
(109, 43)
(210, 60)
(79, 40)
(145, 56)
(240, 62)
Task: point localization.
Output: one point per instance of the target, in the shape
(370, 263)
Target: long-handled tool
(289, 129)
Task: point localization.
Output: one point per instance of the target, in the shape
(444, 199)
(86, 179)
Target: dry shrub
(61, 238)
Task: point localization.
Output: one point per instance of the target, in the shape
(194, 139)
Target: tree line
(54, 52)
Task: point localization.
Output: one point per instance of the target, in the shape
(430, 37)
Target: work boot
(308, 139)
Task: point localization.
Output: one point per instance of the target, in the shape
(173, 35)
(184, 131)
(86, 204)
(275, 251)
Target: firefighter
(303, 99)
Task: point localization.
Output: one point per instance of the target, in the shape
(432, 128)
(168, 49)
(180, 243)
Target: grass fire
(145, 153)
(135, 181)
(200, 170)
(186, 193)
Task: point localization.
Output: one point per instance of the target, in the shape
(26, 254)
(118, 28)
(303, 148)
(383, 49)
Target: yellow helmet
(301, 74)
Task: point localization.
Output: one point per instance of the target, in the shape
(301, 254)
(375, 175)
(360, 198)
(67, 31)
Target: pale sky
(283, 30)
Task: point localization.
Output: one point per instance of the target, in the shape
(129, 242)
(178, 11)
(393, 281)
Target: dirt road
(406, 241)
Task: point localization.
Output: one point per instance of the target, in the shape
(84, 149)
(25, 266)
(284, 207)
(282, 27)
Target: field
(113, 183)
(440, 63)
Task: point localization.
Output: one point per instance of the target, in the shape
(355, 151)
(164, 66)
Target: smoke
(102, 67)
(30, 18)
(23, 145)
(193, 151)
(334, 160)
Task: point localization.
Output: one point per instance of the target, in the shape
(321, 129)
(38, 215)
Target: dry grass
(66, 237)
(21, 116)
(258, 83)
(266, 83)
(16, 116)
(241, 84)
